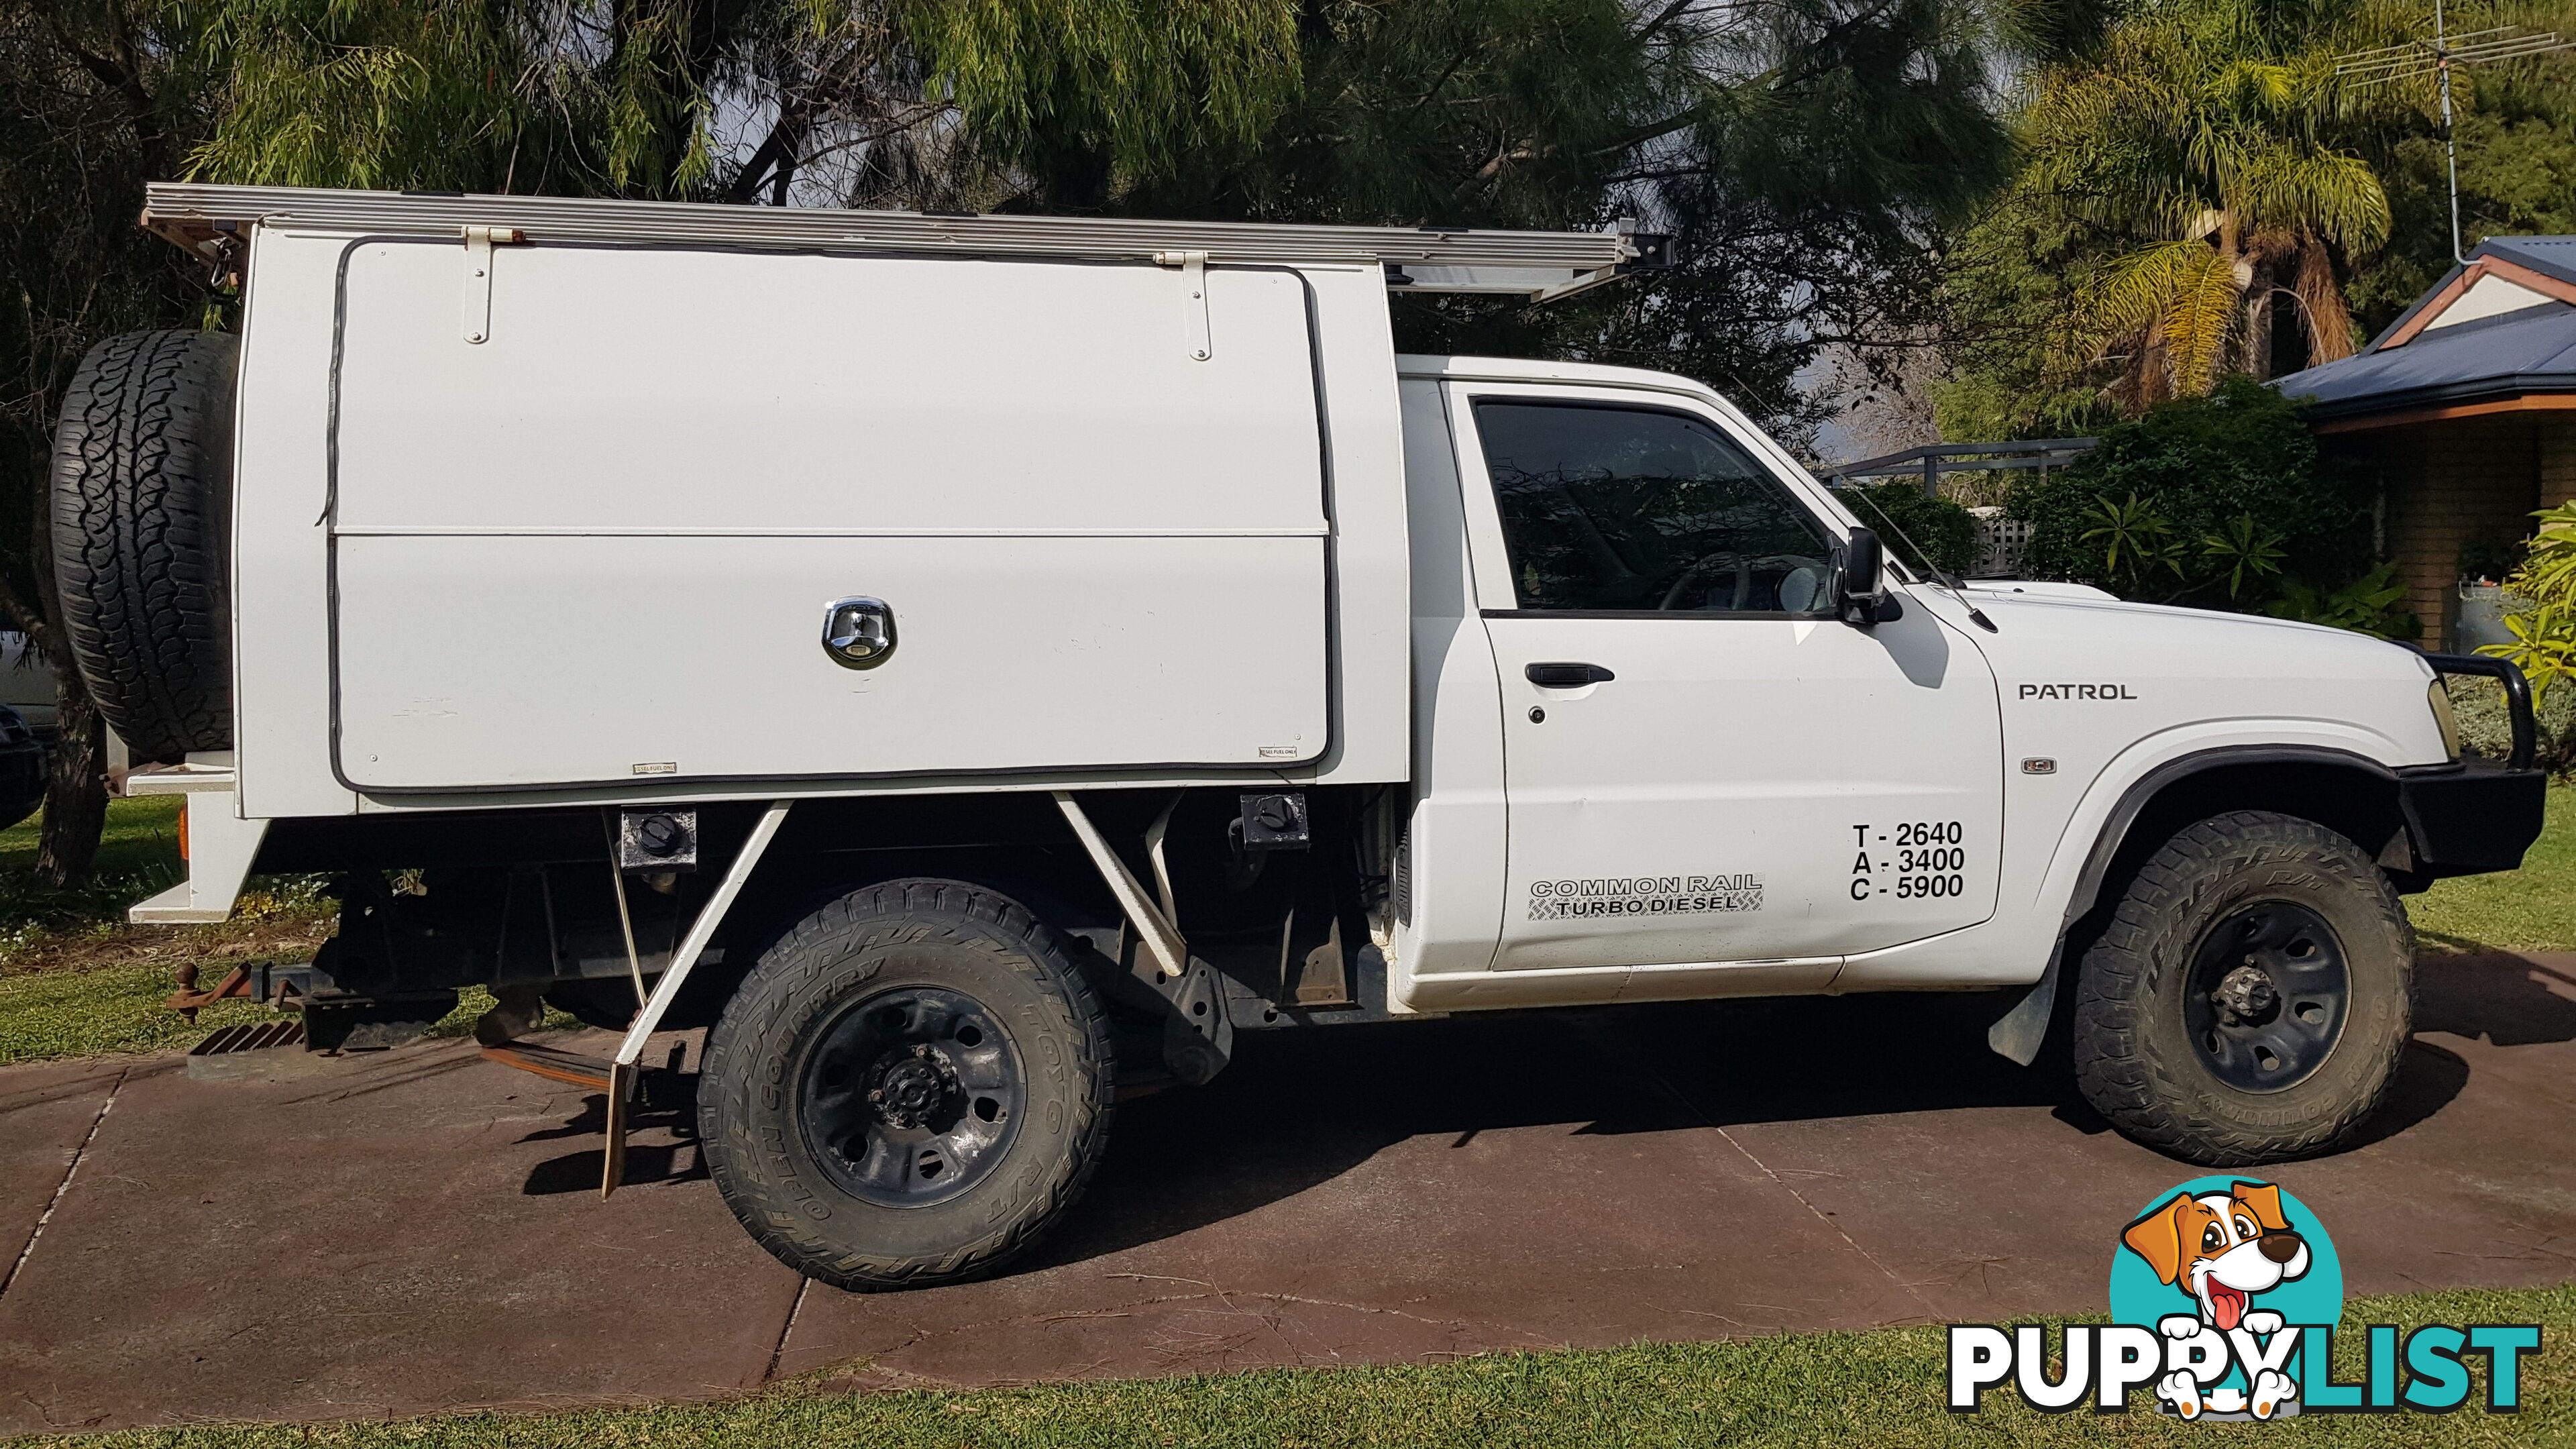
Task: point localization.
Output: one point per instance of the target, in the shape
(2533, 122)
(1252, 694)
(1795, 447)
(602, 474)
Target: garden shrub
(2543, 618)
(2222, 501)
(1913, 524)
(2486, 725)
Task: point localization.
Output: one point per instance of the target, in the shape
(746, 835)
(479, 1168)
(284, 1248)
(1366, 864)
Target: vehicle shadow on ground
(668, 1109)
(1302, 1107)
(2505, 999)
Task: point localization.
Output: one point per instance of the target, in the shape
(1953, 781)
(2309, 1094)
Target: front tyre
(910, 1088)
(2248, 1002)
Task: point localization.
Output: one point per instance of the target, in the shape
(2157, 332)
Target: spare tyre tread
(141, 491)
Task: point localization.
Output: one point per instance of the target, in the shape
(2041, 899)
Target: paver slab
(47, 1113)
(420, 1231)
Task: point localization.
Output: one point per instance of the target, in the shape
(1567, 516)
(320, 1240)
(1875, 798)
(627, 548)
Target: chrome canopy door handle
(858, 633)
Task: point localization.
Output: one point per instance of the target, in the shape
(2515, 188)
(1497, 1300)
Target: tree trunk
(2154, 372)
(2256, 341)
(76, 782)
(76, 792)
(2328, 320)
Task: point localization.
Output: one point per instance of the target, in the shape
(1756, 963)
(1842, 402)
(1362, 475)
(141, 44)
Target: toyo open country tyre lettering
(910, 1088)
(2250, 997)
(142, 497)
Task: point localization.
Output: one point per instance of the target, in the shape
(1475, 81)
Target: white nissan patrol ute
(979, 667)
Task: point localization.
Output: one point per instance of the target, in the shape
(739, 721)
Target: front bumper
(2474, 817)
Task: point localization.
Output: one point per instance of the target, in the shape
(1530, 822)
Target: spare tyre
(142, 502)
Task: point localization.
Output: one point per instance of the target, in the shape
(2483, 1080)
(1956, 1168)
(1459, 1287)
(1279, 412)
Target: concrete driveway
(420, 1230)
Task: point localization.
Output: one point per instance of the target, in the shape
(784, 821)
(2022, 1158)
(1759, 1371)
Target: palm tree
(2202, 134)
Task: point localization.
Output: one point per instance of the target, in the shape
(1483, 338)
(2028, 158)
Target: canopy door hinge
(1194, 303)
(477, 301)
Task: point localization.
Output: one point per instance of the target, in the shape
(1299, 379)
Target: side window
(1624, 509)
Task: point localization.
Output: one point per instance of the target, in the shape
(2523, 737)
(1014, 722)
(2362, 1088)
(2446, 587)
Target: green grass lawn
(1882, 1388)
(138, 854)
(54, 1015)
(75, 980)
(47, 1015)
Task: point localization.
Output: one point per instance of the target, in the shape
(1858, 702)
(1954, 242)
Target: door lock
(858, 633)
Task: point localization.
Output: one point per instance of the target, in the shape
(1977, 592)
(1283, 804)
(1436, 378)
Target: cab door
(1702, 763)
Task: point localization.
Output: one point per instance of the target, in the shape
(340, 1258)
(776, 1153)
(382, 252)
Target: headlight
(2443, 720)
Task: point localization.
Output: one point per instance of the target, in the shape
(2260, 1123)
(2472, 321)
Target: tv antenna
(2438, 57)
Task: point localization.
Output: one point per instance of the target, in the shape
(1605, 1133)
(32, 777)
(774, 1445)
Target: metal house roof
(2422, 362)
(2533, 350)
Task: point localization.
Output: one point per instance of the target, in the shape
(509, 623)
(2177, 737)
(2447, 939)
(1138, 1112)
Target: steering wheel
(1743, 566)
(1801, 588)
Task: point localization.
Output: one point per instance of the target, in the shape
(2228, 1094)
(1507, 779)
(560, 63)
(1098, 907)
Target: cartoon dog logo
(2222, 1249)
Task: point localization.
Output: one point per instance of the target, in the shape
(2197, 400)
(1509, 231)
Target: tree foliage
(2517, 143)
(2200, 194)
(2210, 146)
(2544, 629)
(1803, 154)
(684, 99)
(96, 96)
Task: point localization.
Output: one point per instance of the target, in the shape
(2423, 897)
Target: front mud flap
(2019, 1033)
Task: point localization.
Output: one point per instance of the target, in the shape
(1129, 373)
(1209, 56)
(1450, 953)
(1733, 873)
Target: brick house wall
(2447, 484)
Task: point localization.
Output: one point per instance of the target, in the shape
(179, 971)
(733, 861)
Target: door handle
(1567, 676)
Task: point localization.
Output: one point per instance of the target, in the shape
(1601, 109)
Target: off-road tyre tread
(798, 977)
(141, 498)
(2141, 1072)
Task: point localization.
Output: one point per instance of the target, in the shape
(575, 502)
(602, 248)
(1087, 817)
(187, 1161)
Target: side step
(622, 1085)
(553, 1064)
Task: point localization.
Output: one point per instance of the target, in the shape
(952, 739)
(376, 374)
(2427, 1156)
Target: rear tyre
(142, 495)
(2248, 1002)
(910, 1088)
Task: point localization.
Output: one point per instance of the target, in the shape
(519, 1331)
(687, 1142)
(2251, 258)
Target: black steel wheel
(912, 1096)
(911, 1087)
(2248, 1000)
(2267, 996)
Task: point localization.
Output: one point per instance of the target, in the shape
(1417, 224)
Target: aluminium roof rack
(1537, 264)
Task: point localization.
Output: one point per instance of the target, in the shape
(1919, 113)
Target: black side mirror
(1860, 589)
